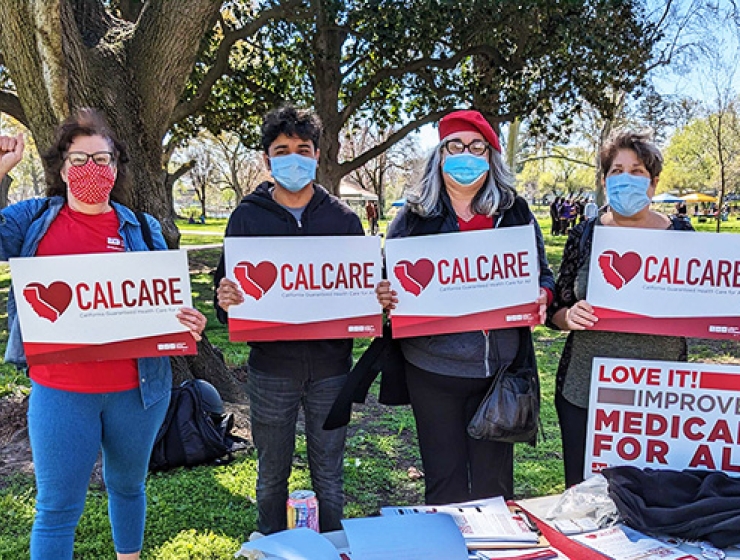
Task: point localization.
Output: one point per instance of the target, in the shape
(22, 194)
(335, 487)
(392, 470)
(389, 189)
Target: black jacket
(258, 215)
(476, 353)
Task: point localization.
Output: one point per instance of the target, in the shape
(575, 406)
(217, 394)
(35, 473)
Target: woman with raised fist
(77, 409)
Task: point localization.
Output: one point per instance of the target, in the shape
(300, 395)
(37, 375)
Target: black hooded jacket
(258, 215)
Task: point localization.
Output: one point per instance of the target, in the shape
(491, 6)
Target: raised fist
(11, 152)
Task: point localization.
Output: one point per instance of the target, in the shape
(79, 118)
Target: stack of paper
(625, 543)
(481, 522)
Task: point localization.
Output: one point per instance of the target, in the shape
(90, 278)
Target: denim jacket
(20, 235)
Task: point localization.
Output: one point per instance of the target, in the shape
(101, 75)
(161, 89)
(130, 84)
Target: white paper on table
(627, 544)
(488, 520)
(413, 537)
(294, 544)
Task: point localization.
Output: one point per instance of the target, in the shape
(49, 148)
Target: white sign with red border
(663, 415)
(457, 282)
(665, 282)
(107, 306)
(304, 288)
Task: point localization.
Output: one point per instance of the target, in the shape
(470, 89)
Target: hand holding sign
(387, 298)
(580, 317)
(228, 294)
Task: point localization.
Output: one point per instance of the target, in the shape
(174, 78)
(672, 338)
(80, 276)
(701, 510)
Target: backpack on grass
(195, 430)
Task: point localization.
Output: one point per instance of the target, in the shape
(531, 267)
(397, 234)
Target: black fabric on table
(690, 504)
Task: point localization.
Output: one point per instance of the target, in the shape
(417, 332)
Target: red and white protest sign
(665, 282)
(108, 306)
(304, 288)
(457, 282)
(669, 415)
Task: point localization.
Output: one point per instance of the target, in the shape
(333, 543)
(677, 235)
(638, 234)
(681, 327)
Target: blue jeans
(67, 430)
(274, 403)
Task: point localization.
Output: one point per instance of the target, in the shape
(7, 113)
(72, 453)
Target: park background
(186, 83)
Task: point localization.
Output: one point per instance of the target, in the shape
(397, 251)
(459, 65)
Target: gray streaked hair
(497, 193)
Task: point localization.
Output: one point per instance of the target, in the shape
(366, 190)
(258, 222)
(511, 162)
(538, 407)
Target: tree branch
(359, 97)
(163, 51)
(221, 64)
(11, 105)
(180, 171)
(556, 156)
(348, 167)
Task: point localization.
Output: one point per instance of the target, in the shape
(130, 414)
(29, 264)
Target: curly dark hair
(639, 142)
(84, 122)
(290, 121)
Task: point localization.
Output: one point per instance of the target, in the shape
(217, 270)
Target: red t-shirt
(75, 233)
(478, 221)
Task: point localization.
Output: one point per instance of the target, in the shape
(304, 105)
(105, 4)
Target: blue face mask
(627, 193)
(293, 172)
(465, 169)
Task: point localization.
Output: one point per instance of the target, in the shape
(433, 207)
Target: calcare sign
(665, 282)
(303, 288)
(456, 282)
(102, 306)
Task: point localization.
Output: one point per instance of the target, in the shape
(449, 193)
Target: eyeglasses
(78, 159)
(476, 147)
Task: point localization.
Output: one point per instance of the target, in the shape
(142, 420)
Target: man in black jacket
(284, 375)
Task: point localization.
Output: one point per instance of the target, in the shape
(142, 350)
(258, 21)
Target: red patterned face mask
(91, 183)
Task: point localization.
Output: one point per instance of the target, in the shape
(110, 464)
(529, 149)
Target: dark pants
(274, 405)
(457, 467)
(573, 421)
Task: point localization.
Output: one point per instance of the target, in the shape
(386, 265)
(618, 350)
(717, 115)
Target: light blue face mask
(293, 172)
(627, 193)
(465, 169)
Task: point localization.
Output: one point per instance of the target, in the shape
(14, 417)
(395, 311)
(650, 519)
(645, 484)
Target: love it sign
(303, 288)
(665, 282)
(457, 282)
(102, 307)
(663, 415)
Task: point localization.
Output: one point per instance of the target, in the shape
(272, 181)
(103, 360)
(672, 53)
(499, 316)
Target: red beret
(473, 121)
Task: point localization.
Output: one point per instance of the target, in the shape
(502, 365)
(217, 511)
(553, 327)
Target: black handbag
(510, 411)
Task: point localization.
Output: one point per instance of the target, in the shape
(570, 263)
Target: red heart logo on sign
(255, 280)
(414, 277)
(48, 303)
(619, 270)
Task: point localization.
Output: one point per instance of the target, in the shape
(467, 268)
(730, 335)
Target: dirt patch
(15, 449)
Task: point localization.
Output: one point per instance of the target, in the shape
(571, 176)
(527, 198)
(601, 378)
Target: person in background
(76, 409)
(555, 216)
(285, 375)
(630, 167)
(681, 208)
(565, 210)
(591, 210)
(466, 186)
(371, 212)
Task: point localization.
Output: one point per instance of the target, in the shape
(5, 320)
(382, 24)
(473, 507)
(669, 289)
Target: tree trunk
(201, 365)
(67, 54)
(4, 189)
(327, 45)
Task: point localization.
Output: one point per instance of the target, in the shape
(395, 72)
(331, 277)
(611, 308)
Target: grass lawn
(205, 513)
